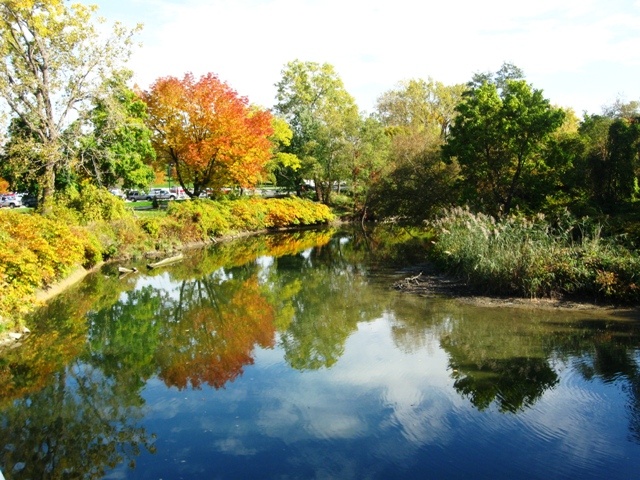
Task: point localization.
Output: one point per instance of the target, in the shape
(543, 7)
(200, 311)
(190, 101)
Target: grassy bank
(92, 226)
(536, 257)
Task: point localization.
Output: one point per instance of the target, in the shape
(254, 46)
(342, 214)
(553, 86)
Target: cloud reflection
(414, 401)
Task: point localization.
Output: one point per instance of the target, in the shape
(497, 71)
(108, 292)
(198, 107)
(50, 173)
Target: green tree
(614, 174)
(54, 59)
(567, 185)
(417, 116)
(324, 119)
(621, 109)
(118, 148)
(498, 138)
(611, 146)
(370, 163)
(19, 156)
(283, 166)
(421, 106)
(508, 71)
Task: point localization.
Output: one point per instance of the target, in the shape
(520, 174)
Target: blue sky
(583, 53)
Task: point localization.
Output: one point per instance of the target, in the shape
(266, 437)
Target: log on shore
(166, 261)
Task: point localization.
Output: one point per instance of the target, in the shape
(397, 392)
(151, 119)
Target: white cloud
(374, 44)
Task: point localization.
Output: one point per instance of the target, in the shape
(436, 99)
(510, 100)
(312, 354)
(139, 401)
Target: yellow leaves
(35, 252)
(607, 282)
(288, 160)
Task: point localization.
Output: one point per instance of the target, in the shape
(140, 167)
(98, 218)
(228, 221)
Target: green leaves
(118, 148)
(497, 139)
(324, 119)
(53, 61)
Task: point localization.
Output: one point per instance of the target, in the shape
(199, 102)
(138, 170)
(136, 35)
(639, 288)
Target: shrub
(84, 228)
(35, 252)
(200, 219)
(284, 212)
(151, 226)
(249, 214)
(92, 204)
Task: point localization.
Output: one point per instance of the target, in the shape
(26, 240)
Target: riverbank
(39, 254)
(560, 257)
(427, 282)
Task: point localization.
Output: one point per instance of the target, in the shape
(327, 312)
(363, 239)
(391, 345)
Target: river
(289, 356)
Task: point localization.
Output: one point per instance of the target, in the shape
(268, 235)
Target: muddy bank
(428, 283)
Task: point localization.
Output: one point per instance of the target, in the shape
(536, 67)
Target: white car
(162, 194)
(11, 201)
(118, 193)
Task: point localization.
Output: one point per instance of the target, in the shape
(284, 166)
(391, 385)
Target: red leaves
(208, 131)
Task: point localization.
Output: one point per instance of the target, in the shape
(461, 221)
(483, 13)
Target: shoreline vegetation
(560, 260)
(515, 261)
(42, 254)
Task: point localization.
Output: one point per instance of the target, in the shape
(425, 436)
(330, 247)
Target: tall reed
(535, 257)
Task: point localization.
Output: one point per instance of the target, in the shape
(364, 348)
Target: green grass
(152, 213)
(140, 204)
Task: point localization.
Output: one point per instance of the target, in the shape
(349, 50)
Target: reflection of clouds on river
(412, 401)
(166, 404)
(313, 410)
(380, 405)
(234, 446)
(265, 263)
(164, 283)
(418, 398)
(161, 282)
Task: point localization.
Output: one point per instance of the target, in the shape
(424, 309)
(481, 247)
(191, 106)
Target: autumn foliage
(200, 220)
(35, 252)
(208, 133)
(212, 344)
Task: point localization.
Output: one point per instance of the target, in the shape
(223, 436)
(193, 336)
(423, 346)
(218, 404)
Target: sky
(583, 54)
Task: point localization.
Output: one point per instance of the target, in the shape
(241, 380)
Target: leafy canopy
(324, 118)
(208, 133)
(53, 59)
(118, 147)
(498, 138)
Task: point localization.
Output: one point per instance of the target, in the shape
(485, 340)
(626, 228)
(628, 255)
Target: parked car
(30, 201)
(135, 195)
(179, 193)
(118, 193)
(161, 194)
(11, 201)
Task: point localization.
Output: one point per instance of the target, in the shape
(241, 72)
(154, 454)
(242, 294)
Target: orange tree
(209, 134)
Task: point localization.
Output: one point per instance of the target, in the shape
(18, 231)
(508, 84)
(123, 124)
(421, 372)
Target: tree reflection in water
(79, 425)
(510, 357)
(72, 399)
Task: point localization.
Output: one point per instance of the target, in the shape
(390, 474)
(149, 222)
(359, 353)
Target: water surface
(289, 356)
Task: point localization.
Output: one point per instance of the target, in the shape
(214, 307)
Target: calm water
(289, 356)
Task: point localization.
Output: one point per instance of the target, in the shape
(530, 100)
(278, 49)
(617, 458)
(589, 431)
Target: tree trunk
(48, 183)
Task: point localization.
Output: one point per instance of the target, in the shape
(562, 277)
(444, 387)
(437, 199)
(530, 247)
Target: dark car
(30, 201)
(135, 195)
